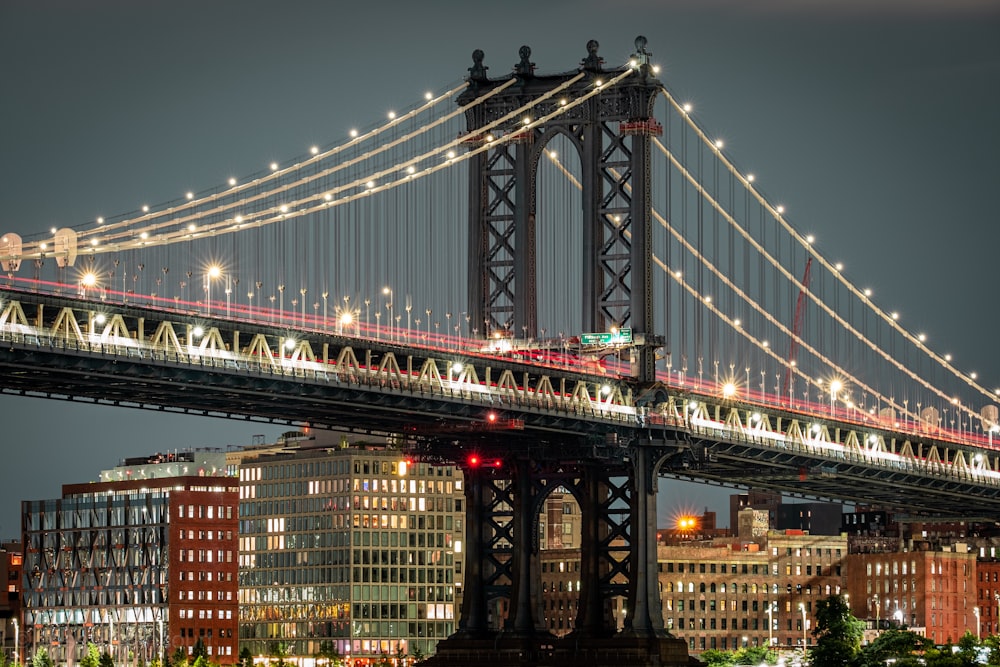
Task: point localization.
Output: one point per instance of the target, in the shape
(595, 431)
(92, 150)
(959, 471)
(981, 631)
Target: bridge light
(921, 337)
(751, 178)
(100, 319)
(290, 344)
(810, 238)
(100, 220)
(89, 279)
(314, 150)
(197, 332)
(428, 96)
(145, 209)
(457, 367)
(894, 315)
(687, 107)
(473, 460)
(729, 390)
(605, 389)
(867, 291)
(232, 182)
(780, 209)
(353, 132)
(839, 266)
(189, 195)
(736, 322)
(755, 418)
(94, 242)
(214, 271)
(274, 166)
(392, 115)
(491, 417)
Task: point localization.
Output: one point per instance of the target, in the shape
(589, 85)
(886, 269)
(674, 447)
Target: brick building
(141, 566)
(930, 591)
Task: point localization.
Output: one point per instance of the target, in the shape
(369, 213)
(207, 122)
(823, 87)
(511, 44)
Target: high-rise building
(139, 566)
(352, 549)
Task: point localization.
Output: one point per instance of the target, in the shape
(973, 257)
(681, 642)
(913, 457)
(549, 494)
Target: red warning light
(491, 417)
(473, 460)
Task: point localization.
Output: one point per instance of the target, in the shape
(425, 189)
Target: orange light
(492, 417)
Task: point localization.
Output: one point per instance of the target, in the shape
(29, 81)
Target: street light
(802, 608)
(771, 608)
(388, 292)
(213, 272)
(835, 386)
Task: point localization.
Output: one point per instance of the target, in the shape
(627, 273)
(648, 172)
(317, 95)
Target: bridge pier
(618, 558)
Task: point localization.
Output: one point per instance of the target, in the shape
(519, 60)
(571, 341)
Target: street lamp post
(975, 612)
(802, 608)
(878, 612)
(388, 292)
(770, 623)
(17, 643)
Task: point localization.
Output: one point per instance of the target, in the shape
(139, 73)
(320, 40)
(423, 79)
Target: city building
(758, 499)
(933, 592)
(141, 564)
(729, 593)
(353, 549)
(814, 518)
(11, 560)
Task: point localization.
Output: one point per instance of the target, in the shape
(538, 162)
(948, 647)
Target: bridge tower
(614, 482)
(612, 133)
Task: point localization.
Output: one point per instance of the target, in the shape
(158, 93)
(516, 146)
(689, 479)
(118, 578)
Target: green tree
(754, 655)
(106, 660)
(329, 656)
(716, 658)
(838, 634)
(199, 650)
(246, 657)
(278, 653)
(179, 657)
(91, 657)
(900, 646)
(41, 659)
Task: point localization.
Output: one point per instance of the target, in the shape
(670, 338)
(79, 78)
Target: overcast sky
(874, 122)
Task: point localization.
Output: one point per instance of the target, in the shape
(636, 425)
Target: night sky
(874, 122)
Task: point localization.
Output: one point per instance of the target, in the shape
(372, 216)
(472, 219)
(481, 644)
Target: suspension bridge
(553, 280)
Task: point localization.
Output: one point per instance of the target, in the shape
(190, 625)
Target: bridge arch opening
(558, 228)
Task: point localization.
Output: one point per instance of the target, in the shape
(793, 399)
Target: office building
(352, 549)
(140, 566)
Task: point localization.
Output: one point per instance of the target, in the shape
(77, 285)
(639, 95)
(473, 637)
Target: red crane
(800, 304)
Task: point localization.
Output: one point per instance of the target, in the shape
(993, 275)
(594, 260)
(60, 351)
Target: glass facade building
(352, 549)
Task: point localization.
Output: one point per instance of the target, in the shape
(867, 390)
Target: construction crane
(793, 345)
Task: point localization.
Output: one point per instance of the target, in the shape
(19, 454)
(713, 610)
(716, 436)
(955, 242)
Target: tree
(199, 650)
(838, 634)
(900, 646)
(279, 651)
(179, 657)
(106, 660)
(41, 659)
(716, 658)
(246, 657)
(754, 655)
(328, 652)
(91, 657)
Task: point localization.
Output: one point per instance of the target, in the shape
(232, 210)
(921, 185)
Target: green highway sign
(620, 337)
